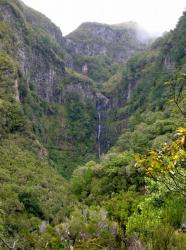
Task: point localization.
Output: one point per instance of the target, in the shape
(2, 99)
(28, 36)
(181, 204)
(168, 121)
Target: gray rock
(43, 226)
(134, 244)
(119, 42)
(183, 226)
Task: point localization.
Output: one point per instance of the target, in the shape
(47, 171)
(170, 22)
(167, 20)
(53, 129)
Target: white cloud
(155, 16)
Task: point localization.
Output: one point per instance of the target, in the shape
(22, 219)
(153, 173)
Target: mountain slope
(29, 186)
(54, 119)
(116, 41)
(102, 48)
(139, 86)
(46, 89)
(145, 201)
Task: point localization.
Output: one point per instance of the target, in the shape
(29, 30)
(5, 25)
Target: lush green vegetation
(149, 210)
(28, 195)
(100, 68)
(144, 75)
(28, 35)
(135, 194)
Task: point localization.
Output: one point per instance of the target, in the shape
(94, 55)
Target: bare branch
(6, 244)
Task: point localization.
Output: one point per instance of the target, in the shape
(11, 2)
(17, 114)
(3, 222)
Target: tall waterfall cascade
(99, 135)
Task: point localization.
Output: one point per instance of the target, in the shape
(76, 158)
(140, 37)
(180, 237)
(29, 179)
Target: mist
(155, 17)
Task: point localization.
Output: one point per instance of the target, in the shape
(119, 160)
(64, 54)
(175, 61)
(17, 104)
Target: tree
(168, 165)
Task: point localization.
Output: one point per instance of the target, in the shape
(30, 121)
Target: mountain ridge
(93, 39)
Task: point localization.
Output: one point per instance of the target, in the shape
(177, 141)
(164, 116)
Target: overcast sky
(156, 16)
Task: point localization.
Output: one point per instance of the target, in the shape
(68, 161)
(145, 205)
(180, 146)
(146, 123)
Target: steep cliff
(47, 91)
(37, 51)
(102, 48)
(139, 85)
(118, 42)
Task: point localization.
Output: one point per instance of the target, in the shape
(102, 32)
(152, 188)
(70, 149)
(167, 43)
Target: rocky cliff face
(48, 92)
(37, 51)
(119, 42)
(110, 122)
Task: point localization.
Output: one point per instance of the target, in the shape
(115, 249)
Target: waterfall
(98, 135)
(17, 91)
(102, 104)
